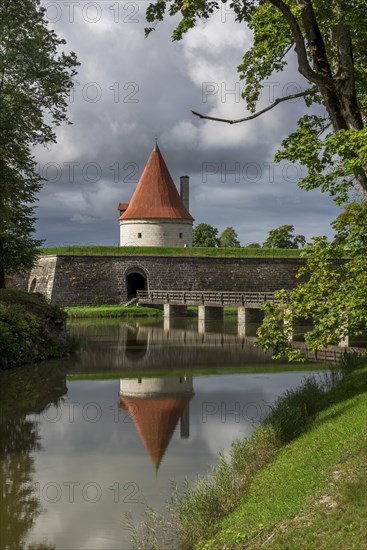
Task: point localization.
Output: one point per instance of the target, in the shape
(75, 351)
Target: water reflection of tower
(156, 405)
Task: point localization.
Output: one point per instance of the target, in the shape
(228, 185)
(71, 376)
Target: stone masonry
(88, 280)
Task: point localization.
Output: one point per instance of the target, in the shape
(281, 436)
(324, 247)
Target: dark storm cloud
(130, 89)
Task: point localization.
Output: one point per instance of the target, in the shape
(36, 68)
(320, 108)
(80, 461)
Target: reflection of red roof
(156, 195)
(123, 406)
(123, 206)
(155, 420)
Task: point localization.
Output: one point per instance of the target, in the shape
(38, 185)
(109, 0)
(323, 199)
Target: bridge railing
(195, 297)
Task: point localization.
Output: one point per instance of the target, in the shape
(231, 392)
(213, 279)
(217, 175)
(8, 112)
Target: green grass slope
(314, 493)
(105, 312)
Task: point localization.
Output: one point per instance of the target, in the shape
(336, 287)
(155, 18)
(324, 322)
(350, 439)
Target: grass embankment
(31, 329)
(254, 368)
(171, 251)
(105, 312)
(298, 482)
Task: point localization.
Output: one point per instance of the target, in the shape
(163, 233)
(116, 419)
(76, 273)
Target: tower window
(139, 235)
(181, 235)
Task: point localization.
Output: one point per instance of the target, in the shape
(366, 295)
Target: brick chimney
(185, 192)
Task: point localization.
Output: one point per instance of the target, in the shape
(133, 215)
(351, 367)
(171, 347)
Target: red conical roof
(156, 195)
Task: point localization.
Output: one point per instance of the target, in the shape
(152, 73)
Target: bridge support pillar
(170, 311)
(185, 422)
(250, 315)
(209, 313)
(345, 342)
(249, 320)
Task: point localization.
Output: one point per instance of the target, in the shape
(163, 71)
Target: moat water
(86, 440)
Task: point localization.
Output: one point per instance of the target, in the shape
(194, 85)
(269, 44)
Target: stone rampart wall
(78, 280)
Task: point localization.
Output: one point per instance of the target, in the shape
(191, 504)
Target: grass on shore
(313, 494)
(80, 312)
(298, 482)
(253, 368)
(120, 311)
(171, 251)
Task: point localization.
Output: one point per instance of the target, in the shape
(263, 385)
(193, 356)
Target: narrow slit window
(181, 234)
(139, 235)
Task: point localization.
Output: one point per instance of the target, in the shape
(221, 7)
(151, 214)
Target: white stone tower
(156, 214)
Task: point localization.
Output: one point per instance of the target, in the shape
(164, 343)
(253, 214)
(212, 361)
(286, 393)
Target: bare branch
(255, 115)
(323, 128)
(285, 52)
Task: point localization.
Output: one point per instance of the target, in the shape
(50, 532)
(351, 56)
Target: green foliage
(332, 161)
(36, 78)
(30, 329)
(328, 41)
(205, 235)
(229, 239)
(18, 332)
(253, 245)
(332, 293)
(272, 39)
(350, 227)
(283, 237)
(18, 248)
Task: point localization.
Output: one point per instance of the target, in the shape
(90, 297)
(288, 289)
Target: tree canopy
(35, 81)
(329, 41)
(282, 237)
(332, 290)
(205, 234)
(229, 238)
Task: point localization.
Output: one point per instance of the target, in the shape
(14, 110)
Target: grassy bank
(172, 251)
(105, 312)
(31, 329)
(79, 312)
(298, 482)
(253, 368)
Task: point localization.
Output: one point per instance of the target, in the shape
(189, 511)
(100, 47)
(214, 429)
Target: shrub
(31, 329)
(18, 332)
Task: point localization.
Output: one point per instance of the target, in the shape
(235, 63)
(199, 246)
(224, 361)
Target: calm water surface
(88, 439)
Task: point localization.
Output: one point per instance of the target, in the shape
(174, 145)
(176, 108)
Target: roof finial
(156, 148)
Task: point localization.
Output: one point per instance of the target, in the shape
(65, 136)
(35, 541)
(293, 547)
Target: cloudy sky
(129, 90)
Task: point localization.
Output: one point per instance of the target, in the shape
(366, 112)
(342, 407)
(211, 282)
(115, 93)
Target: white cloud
(147, 87)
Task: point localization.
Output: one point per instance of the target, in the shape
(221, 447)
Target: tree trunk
(339, 94)
(2, 278)
(2, 269)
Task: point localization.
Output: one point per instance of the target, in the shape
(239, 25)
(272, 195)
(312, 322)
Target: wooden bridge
(253, 300)
(210, 306)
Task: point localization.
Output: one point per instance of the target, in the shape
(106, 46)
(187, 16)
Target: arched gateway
(136, 279)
